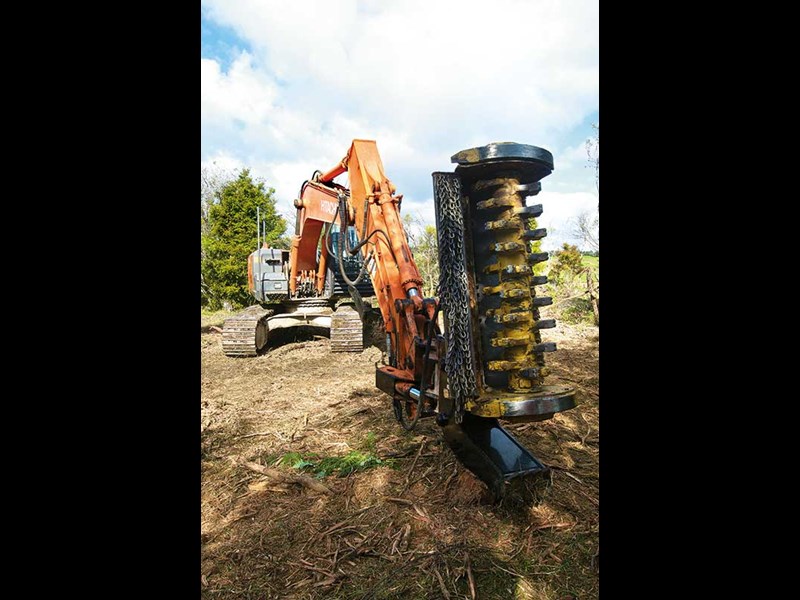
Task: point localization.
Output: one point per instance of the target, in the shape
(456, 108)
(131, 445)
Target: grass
(341, 465)
(213, 317)
(593, 262)
(577, 310)
(280, 542)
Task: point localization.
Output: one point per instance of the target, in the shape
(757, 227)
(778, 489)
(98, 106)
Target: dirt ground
(418, 526)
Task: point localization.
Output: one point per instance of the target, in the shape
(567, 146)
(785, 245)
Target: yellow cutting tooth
(507, 200)
(515, 317)
(513, 293)
(497, 182)
(505, 342)
(517, 269)
(525, 305)
(507, 247)
(505, 290)
(509, 269)
(505, 365)
(513, 223)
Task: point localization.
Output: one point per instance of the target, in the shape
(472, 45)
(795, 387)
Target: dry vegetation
(413, 523)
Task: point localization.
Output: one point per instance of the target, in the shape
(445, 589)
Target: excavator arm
(374, 209)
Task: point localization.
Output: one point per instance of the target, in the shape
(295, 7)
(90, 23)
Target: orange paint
(396, 271)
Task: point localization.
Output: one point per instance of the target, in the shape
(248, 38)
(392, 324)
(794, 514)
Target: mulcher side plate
(490, 452)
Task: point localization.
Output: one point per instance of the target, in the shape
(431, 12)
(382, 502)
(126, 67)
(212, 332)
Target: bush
(230, 236)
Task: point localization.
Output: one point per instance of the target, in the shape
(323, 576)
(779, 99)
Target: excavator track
(347, 330)
(246, 333)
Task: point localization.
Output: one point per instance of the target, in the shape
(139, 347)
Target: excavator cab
(335, 285)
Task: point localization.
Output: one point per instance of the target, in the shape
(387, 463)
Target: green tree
(230, 237)
(565, 262)
(212, 180)
(425, 247)
(536, 247)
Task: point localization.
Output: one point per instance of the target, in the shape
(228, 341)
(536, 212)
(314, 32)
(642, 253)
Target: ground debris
(400, 529)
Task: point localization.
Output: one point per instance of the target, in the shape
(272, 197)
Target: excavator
(305, 286)
(487, 362)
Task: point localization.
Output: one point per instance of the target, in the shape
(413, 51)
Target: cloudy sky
(286, 87)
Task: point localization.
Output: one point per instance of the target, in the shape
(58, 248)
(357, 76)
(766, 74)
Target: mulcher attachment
(495, 354)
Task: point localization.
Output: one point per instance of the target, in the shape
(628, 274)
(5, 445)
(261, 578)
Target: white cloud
(424, 79)
(558, 213)
(223, 161)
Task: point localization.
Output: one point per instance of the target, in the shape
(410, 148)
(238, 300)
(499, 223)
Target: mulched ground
(419, 526)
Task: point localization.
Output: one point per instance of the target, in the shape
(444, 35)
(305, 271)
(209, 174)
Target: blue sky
(286, 86)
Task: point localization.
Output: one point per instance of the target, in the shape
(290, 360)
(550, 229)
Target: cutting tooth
(505, 365)
(512, 223)
(544, 324)
(515, 317)
(498, 202)
(530, 212)
(509, 269)
(529, 189)
(534, 234)
(542, 301)
(523, 189)
(545, 347)
(518, 270)
(538, 280)
(525, 369)
(506, 342)
(519, 306)
(513, 293)
(537, 257)
(534, 372)
(505, 290)
(507, 247)
(487, 184)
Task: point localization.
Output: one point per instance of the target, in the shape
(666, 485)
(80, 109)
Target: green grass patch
(322, 466)
(214, 317)
(577, 310)
(593, 262)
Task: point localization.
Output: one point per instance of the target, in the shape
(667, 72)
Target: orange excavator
(488, 362)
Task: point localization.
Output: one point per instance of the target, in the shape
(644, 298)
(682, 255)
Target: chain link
(453, 290)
